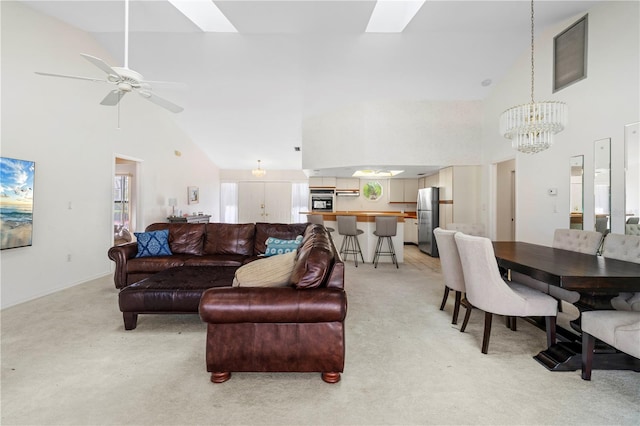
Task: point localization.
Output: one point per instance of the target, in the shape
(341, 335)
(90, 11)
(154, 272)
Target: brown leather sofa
(199, 244)
(299, 328)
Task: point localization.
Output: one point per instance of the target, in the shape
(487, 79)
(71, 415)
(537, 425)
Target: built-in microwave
(322, 200)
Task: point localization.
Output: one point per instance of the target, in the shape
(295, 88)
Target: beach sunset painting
(16, 202)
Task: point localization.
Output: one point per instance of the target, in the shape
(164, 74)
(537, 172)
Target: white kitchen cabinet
(459, 195)
(319, 182)
(264, 202)
(411, 231)
(403, 190)
(410, 190)
(352, 184)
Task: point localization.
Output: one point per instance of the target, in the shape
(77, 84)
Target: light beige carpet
(66, 359)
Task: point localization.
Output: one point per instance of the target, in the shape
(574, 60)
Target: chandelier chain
(532, 55)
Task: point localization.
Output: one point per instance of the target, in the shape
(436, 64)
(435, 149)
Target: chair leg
(444, 299)
(467, 314)
(550, 325)
(393, 252)
(487, 332)
(588, 343)
(359, 249)
(456, 308)
(376, 253)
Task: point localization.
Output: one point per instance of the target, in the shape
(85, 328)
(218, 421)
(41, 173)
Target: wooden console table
(198, 218)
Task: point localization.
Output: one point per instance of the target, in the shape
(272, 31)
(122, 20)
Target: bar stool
(347, 227)
(317, 219)
(386, 227)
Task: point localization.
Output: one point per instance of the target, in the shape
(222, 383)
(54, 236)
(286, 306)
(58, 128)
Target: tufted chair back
(622, 247)
(632, 229)
(476, 229)
(587, 242)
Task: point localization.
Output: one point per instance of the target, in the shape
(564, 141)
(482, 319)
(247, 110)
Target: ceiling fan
(124, 79)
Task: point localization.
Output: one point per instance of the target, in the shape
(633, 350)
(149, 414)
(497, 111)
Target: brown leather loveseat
(299, 328)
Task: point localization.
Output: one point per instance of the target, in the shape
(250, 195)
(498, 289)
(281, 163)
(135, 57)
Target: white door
(251, 202)
(264, 202)
(277, 200)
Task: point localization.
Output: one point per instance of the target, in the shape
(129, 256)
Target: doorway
(506, 201)
(124, 200)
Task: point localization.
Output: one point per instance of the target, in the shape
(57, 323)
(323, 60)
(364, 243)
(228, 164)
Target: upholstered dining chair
(476, 229)
(486, 290)
(626, 248)
(617, 328)
(451, 271)
(587, 242)
(318, 220)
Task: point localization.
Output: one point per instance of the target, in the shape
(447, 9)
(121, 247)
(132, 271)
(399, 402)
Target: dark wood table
(597, 279)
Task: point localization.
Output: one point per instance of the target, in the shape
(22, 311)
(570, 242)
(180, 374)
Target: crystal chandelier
(531, 126)
(258, 172)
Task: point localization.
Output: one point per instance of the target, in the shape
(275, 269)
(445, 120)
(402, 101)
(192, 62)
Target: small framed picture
(193, 195)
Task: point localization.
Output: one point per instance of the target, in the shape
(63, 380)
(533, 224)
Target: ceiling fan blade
(112, 98)
(70, 76)
(100, 64)
(160, 101)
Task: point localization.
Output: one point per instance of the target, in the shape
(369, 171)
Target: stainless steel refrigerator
(428, 219)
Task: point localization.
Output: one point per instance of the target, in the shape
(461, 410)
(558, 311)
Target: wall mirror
(602, 184)
(576, 216)
(632, 178)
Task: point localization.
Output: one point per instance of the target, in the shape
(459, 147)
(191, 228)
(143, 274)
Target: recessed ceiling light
(205, 14)
(486, 82)
(391, 16)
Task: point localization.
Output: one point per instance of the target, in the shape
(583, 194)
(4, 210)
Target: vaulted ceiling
(247, 93)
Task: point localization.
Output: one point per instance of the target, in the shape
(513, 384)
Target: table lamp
(173, 203)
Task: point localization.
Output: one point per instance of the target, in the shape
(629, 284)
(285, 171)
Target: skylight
(392, 16)
(376, 173)
(205, 14)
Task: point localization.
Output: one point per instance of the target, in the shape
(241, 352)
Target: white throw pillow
(273, 271)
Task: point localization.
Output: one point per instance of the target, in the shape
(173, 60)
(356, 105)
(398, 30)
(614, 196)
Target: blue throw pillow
(154, 243)
(278, 246)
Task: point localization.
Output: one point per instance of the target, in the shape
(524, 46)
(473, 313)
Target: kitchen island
(366, 221)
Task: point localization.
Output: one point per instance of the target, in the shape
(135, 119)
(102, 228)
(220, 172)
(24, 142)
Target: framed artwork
(16, 202)
(193, 195)
(570, 55)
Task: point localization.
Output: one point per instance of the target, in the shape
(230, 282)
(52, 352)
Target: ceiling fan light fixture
(259, 172)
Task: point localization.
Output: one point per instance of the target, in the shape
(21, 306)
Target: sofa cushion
(282, 231)
(216, 260)
(273, 271)
(314, 261)
(154, 243)
(229, 238)
(184, 238)
(154, 264)
(277, 246)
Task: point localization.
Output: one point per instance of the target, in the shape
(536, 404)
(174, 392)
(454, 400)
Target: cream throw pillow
(273, 271)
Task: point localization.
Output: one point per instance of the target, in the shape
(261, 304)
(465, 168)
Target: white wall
(434, 133)
(59, 124)
(599, 107)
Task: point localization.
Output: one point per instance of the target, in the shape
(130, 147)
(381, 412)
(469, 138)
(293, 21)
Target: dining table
(597, 279)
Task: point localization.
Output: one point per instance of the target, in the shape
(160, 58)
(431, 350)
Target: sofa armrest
(120, 254)
(272, 305)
